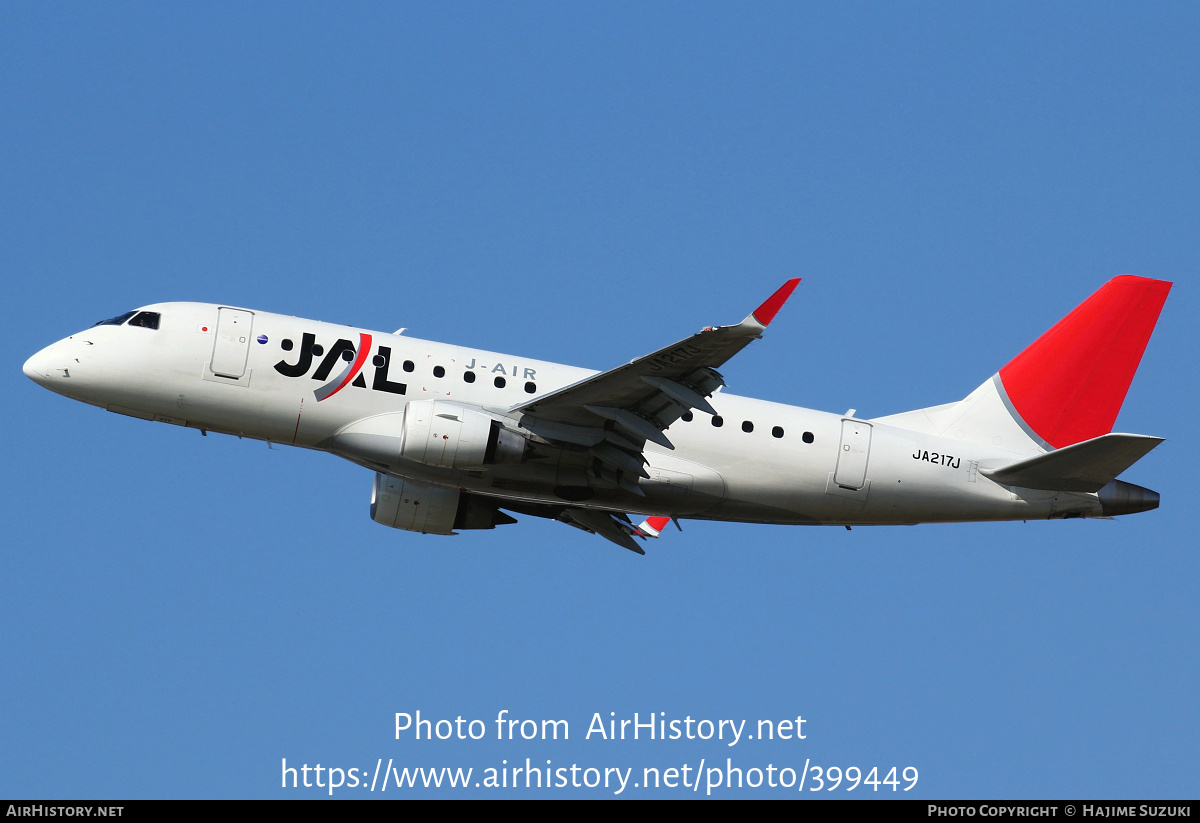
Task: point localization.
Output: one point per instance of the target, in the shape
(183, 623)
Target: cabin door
(853, 452)
(233, 342)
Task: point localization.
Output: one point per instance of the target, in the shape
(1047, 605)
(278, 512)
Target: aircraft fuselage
(345, 390)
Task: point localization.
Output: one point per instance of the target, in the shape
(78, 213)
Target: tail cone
(1119, 497)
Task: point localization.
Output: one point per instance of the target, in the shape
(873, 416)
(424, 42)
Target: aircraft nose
(36, 368)
(47, 366)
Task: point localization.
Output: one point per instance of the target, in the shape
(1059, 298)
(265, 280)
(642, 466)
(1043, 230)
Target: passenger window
(469, 377)
(687, 417)
(318, 350)
(747, 426)
(146, 320)
(530, 387)
(777, 431)
(499, 381)
(438, 371)
(408, 365)
(348, 355)
(718, 421)
(807, 437)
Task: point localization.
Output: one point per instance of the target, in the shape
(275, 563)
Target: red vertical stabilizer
(1069, 384)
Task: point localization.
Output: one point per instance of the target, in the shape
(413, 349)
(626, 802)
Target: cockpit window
(118, 320)
(146, 319)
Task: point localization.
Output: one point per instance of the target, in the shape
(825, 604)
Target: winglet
(653, 526)
(765, 313)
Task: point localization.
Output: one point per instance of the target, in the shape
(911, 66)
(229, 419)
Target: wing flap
(684, 395)
(615, 527)
(634, 423)
(612, 527)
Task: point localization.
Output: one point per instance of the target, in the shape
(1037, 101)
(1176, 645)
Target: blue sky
(584, 183)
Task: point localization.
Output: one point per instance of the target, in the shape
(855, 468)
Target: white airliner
(457, 436)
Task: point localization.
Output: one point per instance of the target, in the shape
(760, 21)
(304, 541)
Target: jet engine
(447, 435)
(402, 504)
(436, 433)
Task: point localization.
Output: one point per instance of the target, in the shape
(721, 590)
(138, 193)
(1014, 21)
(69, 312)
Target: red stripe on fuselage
(364, 349)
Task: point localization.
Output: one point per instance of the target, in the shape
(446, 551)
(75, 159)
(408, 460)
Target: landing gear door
(233, 342)
(853, 452)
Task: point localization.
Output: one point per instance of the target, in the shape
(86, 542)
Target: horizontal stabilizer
(1083, 467)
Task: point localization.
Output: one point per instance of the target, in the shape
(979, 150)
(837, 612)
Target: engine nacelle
(445, 434)
(415, 507)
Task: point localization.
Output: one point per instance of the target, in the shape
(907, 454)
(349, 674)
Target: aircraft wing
(615, 412)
